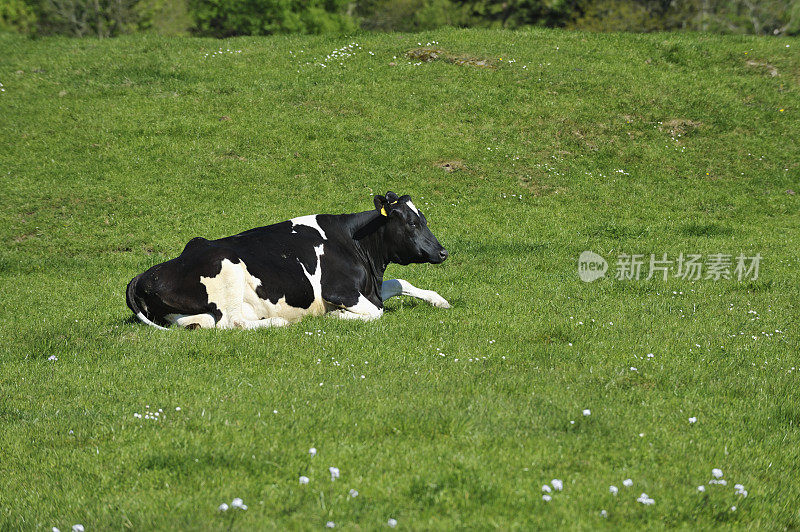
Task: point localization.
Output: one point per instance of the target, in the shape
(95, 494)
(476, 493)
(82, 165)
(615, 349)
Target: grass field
(523, 149)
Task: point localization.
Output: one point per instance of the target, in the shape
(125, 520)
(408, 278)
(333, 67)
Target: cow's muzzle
(439, 256)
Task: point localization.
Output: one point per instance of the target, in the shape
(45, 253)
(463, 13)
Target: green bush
(762, 17)
(416, 15)
(412, 15)
(165, 17)
(81, 18)
(15, 15)
(223, 18)
(617, 15)
(793, 26)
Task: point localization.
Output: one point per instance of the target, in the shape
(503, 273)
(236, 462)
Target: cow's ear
(381, 205)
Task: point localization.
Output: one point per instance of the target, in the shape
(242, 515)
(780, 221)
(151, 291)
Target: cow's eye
(412, 224)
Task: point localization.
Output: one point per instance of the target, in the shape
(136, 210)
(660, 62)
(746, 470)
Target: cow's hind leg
(226, 290)
(400, 287)
(197, 321)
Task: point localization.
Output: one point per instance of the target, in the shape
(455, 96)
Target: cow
(275, 275)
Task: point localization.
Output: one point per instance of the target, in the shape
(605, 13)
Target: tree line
(224, 18)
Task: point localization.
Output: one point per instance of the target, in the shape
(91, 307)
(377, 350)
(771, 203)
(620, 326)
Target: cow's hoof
(193, 326)
(439, 302)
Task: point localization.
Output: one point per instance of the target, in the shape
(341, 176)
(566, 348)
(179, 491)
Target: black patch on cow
(276, 255)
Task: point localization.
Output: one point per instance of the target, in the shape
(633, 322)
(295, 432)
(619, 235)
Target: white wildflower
(644, 499)
(557, 484)
(238, 503)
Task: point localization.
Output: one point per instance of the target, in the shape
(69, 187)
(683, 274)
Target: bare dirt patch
(233, 155)
(23, 237)
(451, 166)
(764, 67)
(581, 136)
(539, 189)
(679, 126)
(426, 55)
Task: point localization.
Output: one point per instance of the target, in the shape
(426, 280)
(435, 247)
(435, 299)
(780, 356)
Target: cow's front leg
(400, 287)
(364, 310)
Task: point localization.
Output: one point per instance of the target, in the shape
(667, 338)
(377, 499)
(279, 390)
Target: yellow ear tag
(383, 209)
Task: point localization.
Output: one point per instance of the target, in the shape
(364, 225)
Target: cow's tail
(130, 297)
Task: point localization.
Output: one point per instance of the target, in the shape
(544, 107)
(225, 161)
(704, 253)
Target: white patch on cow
(316, 278)
(309, 221)
(364, 310)
(412, 207)
(401, 287)
(226, 291)
(249, 297)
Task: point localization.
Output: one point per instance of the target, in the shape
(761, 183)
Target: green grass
(115, 153)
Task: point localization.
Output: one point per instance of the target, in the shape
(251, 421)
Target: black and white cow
(275, 275)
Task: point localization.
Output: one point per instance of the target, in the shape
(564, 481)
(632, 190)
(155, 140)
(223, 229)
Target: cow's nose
(443, 254)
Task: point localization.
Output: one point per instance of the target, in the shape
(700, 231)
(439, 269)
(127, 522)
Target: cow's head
(407, 236)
